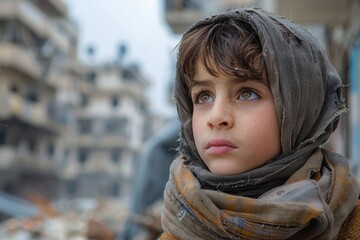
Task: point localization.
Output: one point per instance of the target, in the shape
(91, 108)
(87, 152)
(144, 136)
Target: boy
(256, 97)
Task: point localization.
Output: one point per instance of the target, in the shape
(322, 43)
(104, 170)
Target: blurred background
(86, 95)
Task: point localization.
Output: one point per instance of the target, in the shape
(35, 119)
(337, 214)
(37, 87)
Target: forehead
(237, 74)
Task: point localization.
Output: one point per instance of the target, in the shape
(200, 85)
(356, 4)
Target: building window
(112, 126)
(32, 96)
(14, 88)
(9, 187)
(115, 157)
(115, 190)
(82, 157)
(50, 150)
(180, 5)
(71, 187)
(128, 75)
(32, 145)
(91, 77)
(84, 126)
(65, 157)
(12, 32)
(2, 135)
(84, 100)
(114, 101)
(116, 126)
(143, 107)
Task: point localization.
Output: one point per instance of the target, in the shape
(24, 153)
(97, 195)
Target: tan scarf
(312, 204)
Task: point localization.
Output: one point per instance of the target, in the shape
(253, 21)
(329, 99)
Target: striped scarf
(312, 204)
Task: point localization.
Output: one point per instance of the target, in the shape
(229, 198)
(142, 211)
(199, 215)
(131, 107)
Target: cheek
(197, 126)
(265, 131)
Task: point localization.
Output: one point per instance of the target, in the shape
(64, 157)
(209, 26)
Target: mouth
(219, 146)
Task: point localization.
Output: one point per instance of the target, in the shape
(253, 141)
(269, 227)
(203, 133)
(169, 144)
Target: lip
(219, 146)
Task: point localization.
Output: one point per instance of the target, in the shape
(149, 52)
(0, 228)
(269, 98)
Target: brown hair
(230, 47)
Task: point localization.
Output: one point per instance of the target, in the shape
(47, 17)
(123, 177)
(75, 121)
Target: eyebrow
(194, 83)
(205, 82)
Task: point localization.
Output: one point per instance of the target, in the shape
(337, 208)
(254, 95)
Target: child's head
(233, 108)
(250, 87)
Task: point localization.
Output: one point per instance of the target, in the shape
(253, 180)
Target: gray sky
(138, 23)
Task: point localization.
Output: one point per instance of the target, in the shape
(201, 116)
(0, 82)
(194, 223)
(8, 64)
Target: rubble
(102, 221)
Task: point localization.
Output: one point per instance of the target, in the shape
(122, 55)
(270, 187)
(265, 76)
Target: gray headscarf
(307, 92)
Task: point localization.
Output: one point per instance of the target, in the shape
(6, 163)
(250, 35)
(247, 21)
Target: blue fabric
(153, 173)
(16, 207)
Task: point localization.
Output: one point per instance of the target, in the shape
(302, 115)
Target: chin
(225, 171)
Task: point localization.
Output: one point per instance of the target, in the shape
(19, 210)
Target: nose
(220, 115)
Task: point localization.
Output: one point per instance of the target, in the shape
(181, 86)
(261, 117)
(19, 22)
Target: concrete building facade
(108, 131)
(67, 130)
(36, 39)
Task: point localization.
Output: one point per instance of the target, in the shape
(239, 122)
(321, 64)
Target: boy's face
(234, 122)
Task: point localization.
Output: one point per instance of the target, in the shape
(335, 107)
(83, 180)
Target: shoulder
(351, 227)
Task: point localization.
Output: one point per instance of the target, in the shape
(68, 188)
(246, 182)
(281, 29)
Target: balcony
(36, 20)
(12, 158)
(180, 20)
(20, 58)
(33, 113)
(7, 155)
(181, 14)
(100, 142)
(24, 60)
(133, 89)
(53, 7)
(329, 12)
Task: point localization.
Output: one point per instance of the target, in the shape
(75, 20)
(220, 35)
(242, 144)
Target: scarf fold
(312, 204)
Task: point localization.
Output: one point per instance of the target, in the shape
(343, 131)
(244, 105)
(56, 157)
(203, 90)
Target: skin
(234, 122)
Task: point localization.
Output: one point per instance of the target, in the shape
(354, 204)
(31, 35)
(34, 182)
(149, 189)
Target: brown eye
(204, 98)
(248, 94)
